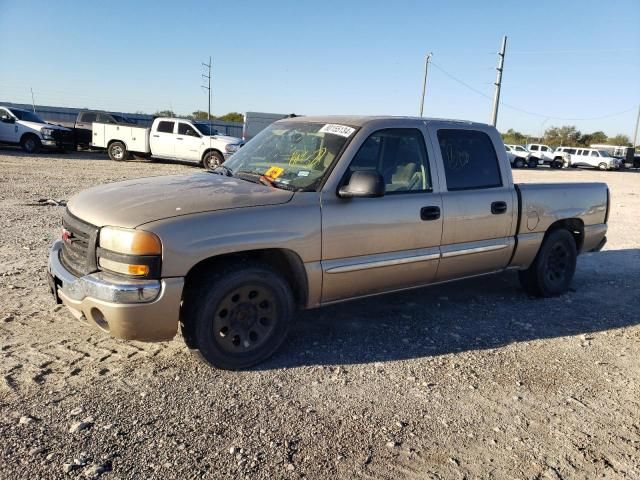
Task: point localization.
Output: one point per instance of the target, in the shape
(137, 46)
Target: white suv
(590, 157)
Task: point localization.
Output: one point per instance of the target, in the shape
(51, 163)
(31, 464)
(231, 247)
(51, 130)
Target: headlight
(130, 242)
(47, 132)
(231, 148)
(129, 252)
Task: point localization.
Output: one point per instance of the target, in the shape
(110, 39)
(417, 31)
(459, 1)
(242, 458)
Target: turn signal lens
(128, 241)
(119, 267)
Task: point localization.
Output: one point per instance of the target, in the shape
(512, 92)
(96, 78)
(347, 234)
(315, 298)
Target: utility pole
(424, 83)
(33, 103)
(207, 87)
(496, 96)
(634, 140)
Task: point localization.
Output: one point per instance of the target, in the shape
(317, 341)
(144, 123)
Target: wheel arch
(284, 261)
(211, 149)
(29, 134)
(114, 140)
(574, 226)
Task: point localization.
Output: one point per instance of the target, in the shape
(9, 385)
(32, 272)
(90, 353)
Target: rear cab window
(470, 160)
(165, 127)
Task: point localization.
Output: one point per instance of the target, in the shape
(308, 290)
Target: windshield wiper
(224, 170)
(257, 177)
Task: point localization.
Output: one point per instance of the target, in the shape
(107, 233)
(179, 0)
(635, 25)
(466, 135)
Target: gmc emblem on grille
(67, 236)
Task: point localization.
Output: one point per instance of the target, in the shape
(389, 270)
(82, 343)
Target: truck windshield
(292, 155)
(206, 129)
(604, 153)
(26, 115)
(120, 119)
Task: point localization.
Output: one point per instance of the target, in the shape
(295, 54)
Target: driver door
(188, 143)
(372, 245)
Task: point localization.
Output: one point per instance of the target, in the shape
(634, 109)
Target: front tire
(518, 163)
(31, 144)
(551, 272)
(602, 166)
(212, 160)
(117, 151)
(238, 317)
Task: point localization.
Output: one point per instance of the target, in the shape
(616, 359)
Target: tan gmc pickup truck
(313, 211)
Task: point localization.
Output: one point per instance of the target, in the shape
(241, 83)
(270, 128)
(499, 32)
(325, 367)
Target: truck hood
(134, 202)
(39, 126)
(226, 138)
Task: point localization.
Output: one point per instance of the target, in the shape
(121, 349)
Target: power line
(522, 110)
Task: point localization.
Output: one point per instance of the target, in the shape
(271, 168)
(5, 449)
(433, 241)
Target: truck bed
(135, 138)
(583, 207)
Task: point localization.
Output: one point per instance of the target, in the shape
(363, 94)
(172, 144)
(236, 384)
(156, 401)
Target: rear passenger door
(478, 202)
(163, 140)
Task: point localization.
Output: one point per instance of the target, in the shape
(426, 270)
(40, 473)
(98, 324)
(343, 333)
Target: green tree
(592, 138)
(200, 115)
(566, 135)
(514, 138)
(620, 139)
(232, 117)
(164, 113)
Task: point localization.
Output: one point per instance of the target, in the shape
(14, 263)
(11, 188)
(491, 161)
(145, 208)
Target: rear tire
(551, 272)
(31, 143)
(117, 151)
(238, 317)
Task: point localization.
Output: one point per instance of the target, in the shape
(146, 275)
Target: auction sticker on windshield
(274, 172)
(336, 129)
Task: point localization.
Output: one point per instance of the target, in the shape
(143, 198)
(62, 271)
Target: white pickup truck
(173, 138)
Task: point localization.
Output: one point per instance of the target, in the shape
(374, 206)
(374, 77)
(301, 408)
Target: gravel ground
(468, 380)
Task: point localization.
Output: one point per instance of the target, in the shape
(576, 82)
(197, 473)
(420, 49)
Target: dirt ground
(468, 380)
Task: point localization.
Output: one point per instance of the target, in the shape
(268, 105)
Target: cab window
(470, 161)
(400, 156)
(165, 127)
(89, 117)
(594, 153)
(186, 129)
(533, 148)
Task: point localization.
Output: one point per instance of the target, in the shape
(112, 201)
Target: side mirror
(363, 184)
(7, 119)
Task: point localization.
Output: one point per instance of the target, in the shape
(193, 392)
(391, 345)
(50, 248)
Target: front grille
(62, 136)
(79, 248)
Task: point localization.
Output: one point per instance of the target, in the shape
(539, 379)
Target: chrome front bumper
(99, 286)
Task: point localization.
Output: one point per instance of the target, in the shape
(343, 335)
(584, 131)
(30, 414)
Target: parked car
(314, 211)
(173, 138)
(27, 129)
(590, 157)
(519, 156)
(547, 156)
(82, 126)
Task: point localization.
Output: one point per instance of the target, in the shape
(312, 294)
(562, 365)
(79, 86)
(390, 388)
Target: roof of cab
(361, 120)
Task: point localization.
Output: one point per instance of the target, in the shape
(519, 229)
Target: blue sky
(565, 59)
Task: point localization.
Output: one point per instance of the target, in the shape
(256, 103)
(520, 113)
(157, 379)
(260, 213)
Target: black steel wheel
(551, 272)
(239, 318)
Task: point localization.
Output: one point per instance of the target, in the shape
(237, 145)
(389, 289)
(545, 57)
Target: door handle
(157, 136)
(498, 208)
(178, 138)
(429, 213)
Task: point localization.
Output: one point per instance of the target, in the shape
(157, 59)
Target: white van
(590, 157)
